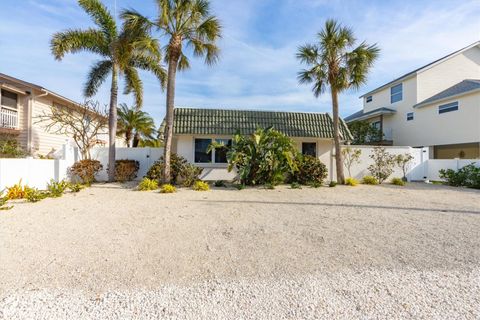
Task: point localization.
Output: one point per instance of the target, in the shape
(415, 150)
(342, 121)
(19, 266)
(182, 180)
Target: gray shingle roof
(460, 88)
(229, 122)
(360, 114)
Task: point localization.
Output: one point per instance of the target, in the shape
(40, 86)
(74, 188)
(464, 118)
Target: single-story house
(195, 129)
(21, 104)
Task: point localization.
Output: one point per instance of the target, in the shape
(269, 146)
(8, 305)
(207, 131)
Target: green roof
(229, 122)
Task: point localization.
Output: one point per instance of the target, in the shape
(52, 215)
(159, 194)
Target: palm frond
(76, 40)
(147, 63)
(96, 77)
(101, 16)
(133, 84)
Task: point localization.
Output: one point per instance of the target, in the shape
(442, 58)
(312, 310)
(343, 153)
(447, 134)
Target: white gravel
(370, 252)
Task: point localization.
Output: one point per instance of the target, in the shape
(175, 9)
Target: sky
(257, 67)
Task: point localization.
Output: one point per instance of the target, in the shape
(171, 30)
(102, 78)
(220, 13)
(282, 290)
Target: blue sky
(258, 68)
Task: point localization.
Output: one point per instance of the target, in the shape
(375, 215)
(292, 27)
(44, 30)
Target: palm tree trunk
(136, 140)
(112, 125)
(336, 138)
(172, 71)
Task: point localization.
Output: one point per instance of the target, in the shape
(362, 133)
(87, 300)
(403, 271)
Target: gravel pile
(367, 294)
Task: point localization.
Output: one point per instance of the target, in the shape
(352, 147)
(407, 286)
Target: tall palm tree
(185, 23)
(334, 61)
(134, 125)
(123, 52)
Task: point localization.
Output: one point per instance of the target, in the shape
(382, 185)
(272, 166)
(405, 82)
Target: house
(21, 104)
(195, 129)
(435, 106)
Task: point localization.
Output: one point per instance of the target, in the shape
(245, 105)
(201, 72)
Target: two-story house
(21, 105)
(436, 106)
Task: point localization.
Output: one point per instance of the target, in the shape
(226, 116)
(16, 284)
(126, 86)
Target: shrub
(351, 182)
(201, 186)
(468, 176)
(369, 180)
(219, 183)
(240, 186)
(9, 147)
(147, 184)
(350, 157)
(383, 163)
(126, 170)
(86, 170)
(17, 191)
(56, 189)
(190, 174)
(315, 185)
(269, 186)
(177, 165)
(398, 181)
(75, 187)
(35, 195)
(310, 170)
(3, 204)
(168, 188)
(295, 185)
(332, 184)
(403, 161)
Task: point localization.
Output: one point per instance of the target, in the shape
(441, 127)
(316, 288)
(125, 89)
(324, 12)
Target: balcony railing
(8, 118)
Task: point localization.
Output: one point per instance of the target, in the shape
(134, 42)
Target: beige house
(195, 129)
(21, 104)
(435, 106)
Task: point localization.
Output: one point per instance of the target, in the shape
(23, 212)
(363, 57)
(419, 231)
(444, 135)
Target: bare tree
(350, 157)
(81, 122)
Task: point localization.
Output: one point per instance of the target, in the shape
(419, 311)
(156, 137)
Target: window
(369, 99)
(309, 149)
(221, 153)
(201, 154)
(9, 99)
(396, 93)
(377, 125)
(409, 116)
(449, 107)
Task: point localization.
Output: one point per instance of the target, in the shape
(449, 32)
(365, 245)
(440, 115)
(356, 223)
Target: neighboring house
(435, 106)
(195, 129)
(21, 104)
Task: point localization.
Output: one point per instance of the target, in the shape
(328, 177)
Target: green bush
(148, 184)
(351, 182)
(35, 195)
(240, 186)
(86, 170)
(468, 176)
(310, 170)
(219, 183)
(369, 180)
(75, 187)
(190, 174)
(332, 184)
(56, 189)
(9, 147)
(126, 170)
(201, 186)
(398, 181)
(315, 185)
(269, 186)
(295, 185)
(179, 168)
(383, 164)
(168, 188)
(3, 204)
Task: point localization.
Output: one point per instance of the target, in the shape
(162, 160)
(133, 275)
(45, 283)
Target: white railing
(8, 118)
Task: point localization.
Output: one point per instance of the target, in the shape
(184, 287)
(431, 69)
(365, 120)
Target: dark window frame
(305, 152)
(4, 99)
(448, 107)
(410, 116)
(201, 156)
(369, 99)
(220, 154)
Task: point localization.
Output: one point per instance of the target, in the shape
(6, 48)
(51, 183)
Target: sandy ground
(365, 252)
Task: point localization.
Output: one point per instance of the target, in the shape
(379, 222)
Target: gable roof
(360, 115)
(230, 122)
(414, 72)
(466, 86)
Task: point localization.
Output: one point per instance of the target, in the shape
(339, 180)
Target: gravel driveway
(366, 252)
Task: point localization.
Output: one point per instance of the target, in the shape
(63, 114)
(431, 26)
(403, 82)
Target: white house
(435, 106)
(195, 129)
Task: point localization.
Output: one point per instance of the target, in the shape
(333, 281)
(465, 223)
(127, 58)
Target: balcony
(8, 118)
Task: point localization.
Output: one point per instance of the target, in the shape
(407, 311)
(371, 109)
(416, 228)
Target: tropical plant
(126, 170)
(56, 188)
(398, 182)
(148, 185)
(351, 182)
(185, 23)
(295, 185)
(75, 187)
(369, 180)
(333, 61)
(467, 176)
(134, 125)
(190, 174)
(123, 52)
(201, 186)
(9, 147)
(3, 204)
(180, 169)
(350, 157)
(404, 161)
(332, 184)
(310, 170)
(364, 133)
(219, 183)
(383, 164)
(35, 195)
(17, 191)
(168, 188)
(86, 170)
(266, 156)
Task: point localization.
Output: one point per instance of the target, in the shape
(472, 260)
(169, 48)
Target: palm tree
(186, 23)
(123, 52)
(134, 125)
(334, 61)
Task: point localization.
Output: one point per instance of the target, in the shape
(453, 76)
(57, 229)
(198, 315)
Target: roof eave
(424, 104)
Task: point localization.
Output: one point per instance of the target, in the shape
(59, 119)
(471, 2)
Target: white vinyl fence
(435, 165)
